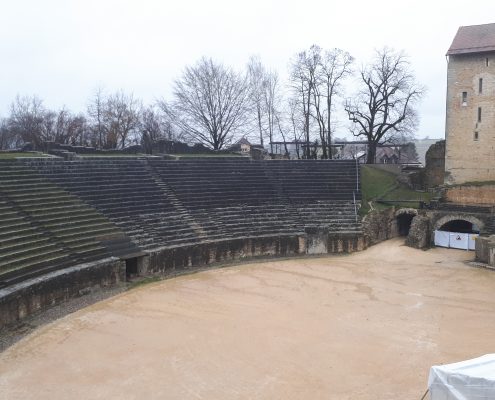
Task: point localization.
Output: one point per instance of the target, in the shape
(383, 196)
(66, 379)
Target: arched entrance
(460, 225)
(450, 223)
(404, 218)
(457, 231)
(404, 223)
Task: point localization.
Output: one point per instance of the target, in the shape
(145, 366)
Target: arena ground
(363, 326)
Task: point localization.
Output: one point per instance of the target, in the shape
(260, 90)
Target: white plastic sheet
(464, 241)
(459, 240)
(466, 380)
(442, 238)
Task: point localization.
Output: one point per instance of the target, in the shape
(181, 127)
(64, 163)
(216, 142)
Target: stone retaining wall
(25, 298)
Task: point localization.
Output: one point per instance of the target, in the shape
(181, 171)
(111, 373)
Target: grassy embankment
(9, 156)
(379, 185)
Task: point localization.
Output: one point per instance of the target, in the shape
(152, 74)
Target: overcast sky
(62, 50)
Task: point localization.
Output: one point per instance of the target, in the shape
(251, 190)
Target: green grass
(9, 156)
(90, 155)
(192, 155)
(377, 184)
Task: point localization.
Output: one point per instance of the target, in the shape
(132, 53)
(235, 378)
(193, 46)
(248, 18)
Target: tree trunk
(370, 159)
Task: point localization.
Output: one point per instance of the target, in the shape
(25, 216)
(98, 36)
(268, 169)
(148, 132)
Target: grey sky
(62, 50)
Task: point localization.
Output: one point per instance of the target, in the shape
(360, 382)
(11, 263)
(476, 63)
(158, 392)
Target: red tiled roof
(473, 39)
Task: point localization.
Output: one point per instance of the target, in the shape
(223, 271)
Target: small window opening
(476, 136)
(464, 98)
(479, 114)
(487, 62)
(480, 86)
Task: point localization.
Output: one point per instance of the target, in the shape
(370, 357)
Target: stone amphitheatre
(328, 318)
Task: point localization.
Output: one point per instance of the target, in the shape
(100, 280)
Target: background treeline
(216, 105)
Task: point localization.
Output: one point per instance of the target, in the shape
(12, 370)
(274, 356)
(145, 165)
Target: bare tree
(154, 126)
(265, 99)
(385, 104)
(256, 77)
(333, 68)
(296, 122)
(7, 139)
(210, 103)
(303, 70)
(69, 128)
(26, 120)
(120, 119)
(271, 100)
(95, 111)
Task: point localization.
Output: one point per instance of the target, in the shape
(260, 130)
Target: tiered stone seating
(57, 213)
(123, 189)
(323, 192)
(24, 246)
(228, 198)
(44, 226)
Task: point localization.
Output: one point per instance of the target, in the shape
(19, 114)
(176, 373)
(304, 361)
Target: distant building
(243, 146)
(470, 122)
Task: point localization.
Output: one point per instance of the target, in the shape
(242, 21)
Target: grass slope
(9, 155)
(377, 184)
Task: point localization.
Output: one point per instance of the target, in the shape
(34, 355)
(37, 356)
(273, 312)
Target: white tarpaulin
(459, 240)
(466, 380)
(442, 238)
(455, 240)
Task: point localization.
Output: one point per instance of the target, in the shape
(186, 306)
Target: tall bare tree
(154, 125)
(210, 103)
(385, 104)
(95, 110)
(256, 76)
(303, 76)
(120, 119)
(333, 68)
(7, 139)
(26, 120)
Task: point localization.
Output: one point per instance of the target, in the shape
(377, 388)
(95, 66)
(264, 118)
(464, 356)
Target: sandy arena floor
(364, 326)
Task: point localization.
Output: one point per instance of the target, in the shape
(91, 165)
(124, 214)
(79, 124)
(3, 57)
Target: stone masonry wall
(471, 194)
(25, 298)
(419, 233)
(435, 164)
(380, 225)
(470, 144)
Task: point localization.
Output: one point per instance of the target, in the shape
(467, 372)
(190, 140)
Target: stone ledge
(27, 297)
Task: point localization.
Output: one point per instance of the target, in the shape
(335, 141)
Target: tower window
(476, 136)
(479, 114)
(464, 98)
(487, 62)
(480, 85)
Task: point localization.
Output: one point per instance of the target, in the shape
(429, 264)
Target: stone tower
(470, 122)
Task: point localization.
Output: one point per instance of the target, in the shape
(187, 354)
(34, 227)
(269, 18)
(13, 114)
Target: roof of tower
(473, 39)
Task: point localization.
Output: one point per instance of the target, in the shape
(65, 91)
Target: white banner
(459, 240)
(455, 240)
(442, 238)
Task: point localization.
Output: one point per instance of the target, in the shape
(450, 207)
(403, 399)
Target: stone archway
(448, 219)
(404, 217)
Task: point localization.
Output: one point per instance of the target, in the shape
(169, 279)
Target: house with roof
(470, 121)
